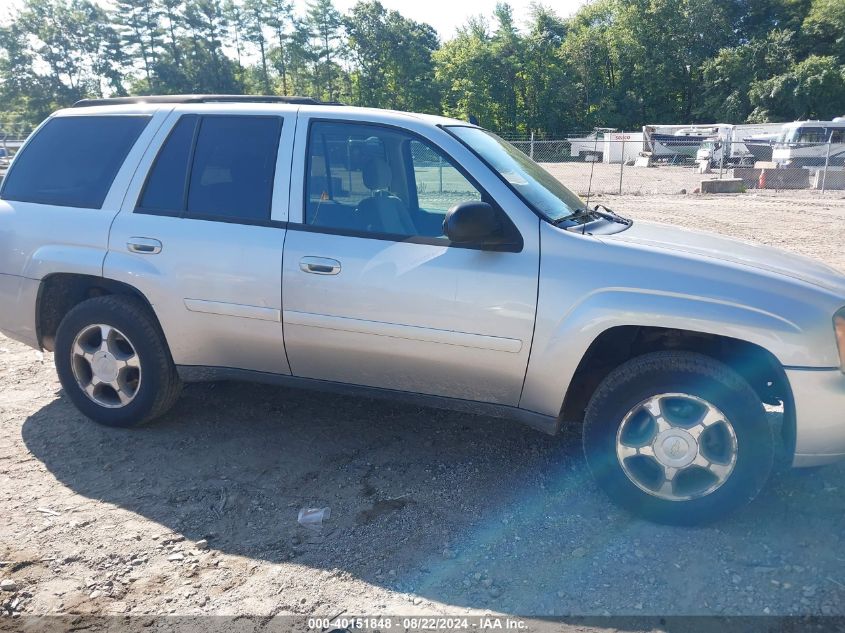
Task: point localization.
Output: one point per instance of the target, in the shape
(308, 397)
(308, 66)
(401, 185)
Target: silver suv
(149, 242)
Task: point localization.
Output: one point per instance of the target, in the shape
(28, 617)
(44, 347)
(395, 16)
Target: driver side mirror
(473, 223)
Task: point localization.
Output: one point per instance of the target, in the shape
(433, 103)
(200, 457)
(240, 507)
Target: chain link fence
(628, 163)
(13, 132)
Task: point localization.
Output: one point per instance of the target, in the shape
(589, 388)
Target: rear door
(375, 294)
(201, 234)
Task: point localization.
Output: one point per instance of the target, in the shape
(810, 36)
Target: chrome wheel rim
(106, 366)
(676, 446)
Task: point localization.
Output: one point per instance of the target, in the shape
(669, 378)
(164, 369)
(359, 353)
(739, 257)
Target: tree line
(614, 63)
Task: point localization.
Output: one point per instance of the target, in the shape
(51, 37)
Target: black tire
(700, 376)
(160, 385)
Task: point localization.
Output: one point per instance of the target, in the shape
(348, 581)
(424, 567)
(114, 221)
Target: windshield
(536, 186)
(803, 135)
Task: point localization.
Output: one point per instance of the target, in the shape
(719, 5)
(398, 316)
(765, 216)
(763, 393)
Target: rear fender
(64, 258)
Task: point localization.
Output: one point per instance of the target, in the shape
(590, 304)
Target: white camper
(811, 144)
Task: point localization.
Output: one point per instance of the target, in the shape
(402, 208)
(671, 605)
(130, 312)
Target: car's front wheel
(678, 437)
(113, 362)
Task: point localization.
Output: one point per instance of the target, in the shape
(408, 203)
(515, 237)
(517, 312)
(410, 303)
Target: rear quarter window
(72, 160)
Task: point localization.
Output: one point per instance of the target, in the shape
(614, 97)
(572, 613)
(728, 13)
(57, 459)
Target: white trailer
(621, 147)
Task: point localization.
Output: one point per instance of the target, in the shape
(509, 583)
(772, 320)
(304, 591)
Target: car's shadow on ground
(464, 510)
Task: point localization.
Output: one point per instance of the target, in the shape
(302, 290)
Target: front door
(202, 236)
(376, 295)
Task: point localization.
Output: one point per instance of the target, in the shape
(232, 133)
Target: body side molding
(396, 330)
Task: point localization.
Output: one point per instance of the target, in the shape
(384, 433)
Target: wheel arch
(618, 344)
(61, 292)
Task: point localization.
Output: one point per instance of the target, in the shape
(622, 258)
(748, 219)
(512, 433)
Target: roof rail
(84, 103)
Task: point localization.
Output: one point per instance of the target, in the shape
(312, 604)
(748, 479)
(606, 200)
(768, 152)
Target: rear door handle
(319, 265)
(144, 245)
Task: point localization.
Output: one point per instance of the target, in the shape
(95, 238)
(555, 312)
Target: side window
(371, 179)
(215, 167)
(439, 184)
(165, 188)
(73, 160)
(234, 164)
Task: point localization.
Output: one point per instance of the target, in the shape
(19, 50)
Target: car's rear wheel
(113, 362)
(677, 437)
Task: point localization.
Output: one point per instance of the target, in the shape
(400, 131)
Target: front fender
(588, 287)
(558, 351)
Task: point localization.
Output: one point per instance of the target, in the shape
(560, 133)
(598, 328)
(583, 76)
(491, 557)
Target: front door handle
(144, 245)
(319, 265)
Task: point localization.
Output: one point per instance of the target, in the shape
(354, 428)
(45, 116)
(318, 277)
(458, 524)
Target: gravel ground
(431, 512)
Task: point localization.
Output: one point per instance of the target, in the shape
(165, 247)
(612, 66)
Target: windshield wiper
(575, 215)
(599, 210)
(610, 214)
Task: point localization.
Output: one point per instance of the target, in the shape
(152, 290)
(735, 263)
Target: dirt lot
(432, 512)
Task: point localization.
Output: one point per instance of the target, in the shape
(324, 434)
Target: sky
(447, 15)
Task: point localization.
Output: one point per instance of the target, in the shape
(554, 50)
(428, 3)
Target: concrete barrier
(835, 180)
(785, 178)
(750, 176)
(725, 185)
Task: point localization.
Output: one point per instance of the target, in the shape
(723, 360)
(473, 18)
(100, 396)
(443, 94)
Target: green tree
(507, 88)
(26, 97)
(301, 59)
(73, 41)
(727, 77)
(280, 20)
(549, 105)
(256, 16)
(173, 16)
(812, 89)
(237, 24)
(754, 19)
(323, 24)
(824, 28)
(412, 84)
(138, 23)
(206, 66)
(392, 59)
(464, 66)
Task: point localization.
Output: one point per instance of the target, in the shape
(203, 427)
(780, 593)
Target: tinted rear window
(234, 164)
(72, 161)
(215, 167)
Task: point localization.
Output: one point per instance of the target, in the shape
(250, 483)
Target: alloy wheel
(106, 365)
(676, 446)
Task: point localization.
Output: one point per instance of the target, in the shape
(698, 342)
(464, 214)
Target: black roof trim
(84, 103)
